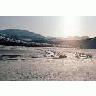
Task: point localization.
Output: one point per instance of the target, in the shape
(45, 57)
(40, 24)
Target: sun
(70, 26)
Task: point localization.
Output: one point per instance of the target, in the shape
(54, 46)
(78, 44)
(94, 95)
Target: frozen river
(47, 64)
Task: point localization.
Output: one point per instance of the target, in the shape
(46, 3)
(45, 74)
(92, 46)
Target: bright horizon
(53, 26)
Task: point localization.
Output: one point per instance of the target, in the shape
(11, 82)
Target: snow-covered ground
(47, 64)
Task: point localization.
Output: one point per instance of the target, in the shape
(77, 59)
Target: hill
(18, 34)
(90, 44)
(17, 37)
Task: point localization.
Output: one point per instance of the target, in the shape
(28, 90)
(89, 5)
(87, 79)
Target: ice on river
(47, 64)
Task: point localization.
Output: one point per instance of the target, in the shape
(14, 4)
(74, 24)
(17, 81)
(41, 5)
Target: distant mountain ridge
(22, 34)
(17, 37)
(17, 32)
(90, 44)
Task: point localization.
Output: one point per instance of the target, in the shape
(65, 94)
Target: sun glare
(70, 26)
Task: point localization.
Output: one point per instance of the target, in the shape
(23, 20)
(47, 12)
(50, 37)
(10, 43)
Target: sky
(55, 26)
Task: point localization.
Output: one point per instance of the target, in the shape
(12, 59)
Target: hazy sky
(56, 26)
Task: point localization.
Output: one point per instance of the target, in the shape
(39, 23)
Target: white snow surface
(44, 64)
